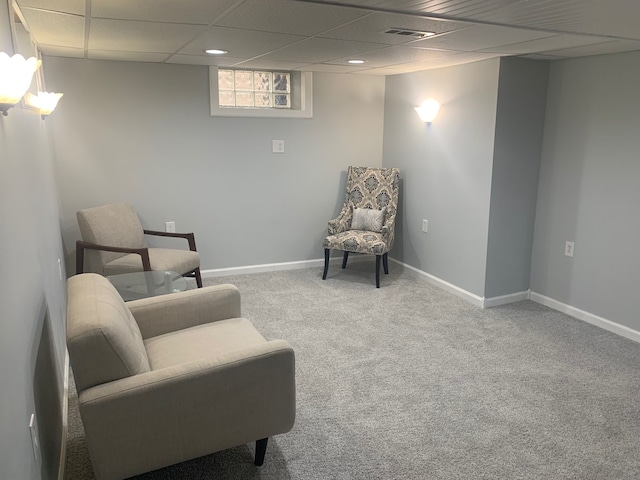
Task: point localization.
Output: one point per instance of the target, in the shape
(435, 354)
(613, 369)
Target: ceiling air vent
(408, 33)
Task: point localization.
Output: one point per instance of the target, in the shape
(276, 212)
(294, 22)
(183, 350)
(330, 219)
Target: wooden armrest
(81, 246)
(190, 237)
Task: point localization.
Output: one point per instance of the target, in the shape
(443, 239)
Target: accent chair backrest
(116, 225)
(103, 338)
(375, 188)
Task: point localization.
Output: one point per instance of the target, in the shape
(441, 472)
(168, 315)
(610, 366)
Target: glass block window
(254, 89)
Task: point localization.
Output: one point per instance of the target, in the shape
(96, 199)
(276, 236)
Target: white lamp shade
(16, 74)
(428, 110)
(44, 102)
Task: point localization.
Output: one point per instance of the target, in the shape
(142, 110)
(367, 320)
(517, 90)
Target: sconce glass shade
(428, 110)
(16, 74)
(44, 102)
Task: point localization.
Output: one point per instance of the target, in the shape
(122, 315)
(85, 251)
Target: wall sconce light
(44, 102)
(428, 110)
(16, 74)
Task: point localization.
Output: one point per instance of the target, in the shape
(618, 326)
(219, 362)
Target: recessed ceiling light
(355, 62)
(215, 51)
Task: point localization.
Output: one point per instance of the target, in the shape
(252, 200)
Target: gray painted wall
(589, 188)
(522, 92)
(446, 169)
(143, 133)
(32, 330)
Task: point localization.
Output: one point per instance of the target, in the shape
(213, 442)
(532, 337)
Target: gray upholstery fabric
(372, 188)
(103, 339)
(115, 225)
(213, 382)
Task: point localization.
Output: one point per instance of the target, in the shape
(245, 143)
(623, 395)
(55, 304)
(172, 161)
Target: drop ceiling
(318, 35)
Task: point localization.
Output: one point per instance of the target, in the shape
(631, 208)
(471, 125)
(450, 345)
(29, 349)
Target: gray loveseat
(170, 378)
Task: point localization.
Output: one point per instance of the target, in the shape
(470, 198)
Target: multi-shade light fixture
(16, 74)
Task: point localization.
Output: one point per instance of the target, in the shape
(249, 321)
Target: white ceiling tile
(282, 16)
(52, 28)
(477, 37)
(56, 51)
(200, 12)
(218, 60)
(319, 50)
(126, 56)
(546, 44)
(397, 55)
(615, 46)
(76, 7)
(371, 28)
(239, 43)
(272, 65)
(132, 36)
(324, 67)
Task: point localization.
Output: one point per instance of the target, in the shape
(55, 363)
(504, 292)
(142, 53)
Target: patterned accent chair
(113, 239)
(367, 219)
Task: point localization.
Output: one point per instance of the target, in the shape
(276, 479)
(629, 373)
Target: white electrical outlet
(170, 227)
(568, 249)
(425, 226)
(33, 428)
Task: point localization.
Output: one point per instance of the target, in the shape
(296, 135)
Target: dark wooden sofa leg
(345, 256)
(378, 271)
(261, 449)
(198, 277)
(326, 263)
(385, 263)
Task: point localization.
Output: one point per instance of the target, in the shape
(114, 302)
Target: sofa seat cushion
(181, 261)
(201, 342)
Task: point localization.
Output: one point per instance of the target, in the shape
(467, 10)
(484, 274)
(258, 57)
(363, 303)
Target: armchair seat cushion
(180, 261)
(358, 241)
(202, 342)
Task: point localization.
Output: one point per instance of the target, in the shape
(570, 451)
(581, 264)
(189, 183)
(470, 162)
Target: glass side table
(136, 285)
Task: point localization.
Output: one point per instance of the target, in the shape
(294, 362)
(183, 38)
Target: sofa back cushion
(103, 338)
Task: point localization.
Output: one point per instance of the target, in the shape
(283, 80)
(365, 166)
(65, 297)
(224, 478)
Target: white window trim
(306, 101)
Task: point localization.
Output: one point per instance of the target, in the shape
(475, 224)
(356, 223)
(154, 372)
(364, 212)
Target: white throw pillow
(367, 219)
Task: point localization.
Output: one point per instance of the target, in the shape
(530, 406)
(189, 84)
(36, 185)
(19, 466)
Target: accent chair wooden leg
(326, 263)
(345, 256)
(261, 449)
(385, 263)
(378, 271)
(198, 277)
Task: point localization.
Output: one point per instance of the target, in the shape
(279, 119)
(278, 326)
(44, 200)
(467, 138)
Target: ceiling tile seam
(205, 29)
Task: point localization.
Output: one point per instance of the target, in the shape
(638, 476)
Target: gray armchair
(170, 378)
(366, 222)
(114, 241)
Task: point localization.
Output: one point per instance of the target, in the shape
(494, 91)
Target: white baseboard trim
(505, 299)
(273, 267)
(65, 418)
(613, 327)
(449, 287)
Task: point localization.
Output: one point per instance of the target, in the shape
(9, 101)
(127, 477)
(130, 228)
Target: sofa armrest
(177, 311)
(162, 417)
